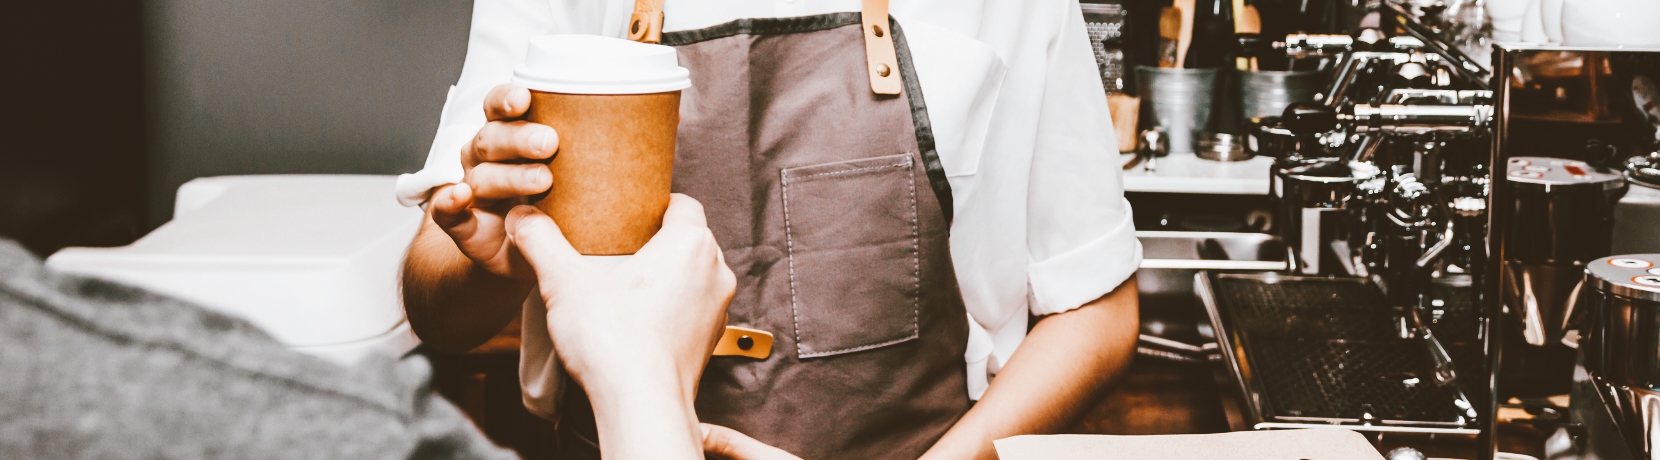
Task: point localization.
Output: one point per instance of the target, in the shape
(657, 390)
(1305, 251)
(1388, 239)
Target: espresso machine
(1381, 190)
(1439, 218)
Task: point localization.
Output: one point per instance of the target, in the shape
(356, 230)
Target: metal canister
(1179, 101)
(1622, 348)
(1265, 93)
(1562, 219)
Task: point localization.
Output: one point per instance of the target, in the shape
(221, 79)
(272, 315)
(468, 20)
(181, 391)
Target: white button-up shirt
(1020, 123)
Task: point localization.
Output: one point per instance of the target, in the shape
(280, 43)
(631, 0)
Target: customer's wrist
(623, 373)
(643, 411)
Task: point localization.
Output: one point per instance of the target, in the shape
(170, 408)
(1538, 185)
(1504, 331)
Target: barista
(887, 241)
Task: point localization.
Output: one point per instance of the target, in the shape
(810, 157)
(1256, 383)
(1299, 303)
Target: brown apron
(832, 209)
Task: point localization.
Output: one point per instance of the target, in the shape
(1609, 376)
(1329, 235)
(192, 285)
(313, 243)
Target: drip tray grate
(1322, 350)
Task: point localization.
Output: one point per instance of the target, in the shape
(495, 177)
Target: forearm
(1066, 362)
(452, 304)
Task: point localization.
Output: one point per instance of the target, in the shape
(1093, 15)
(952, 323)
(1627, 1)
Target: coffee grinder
(1617, 396)
(1564, 212)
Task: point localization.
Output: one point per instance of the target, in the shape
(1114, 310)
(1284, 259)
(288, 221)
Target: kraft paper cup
(616, 106)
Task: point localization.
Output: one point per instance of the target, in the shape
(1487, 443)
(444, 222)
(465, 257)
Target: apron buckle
(646, 24)
(739, 341)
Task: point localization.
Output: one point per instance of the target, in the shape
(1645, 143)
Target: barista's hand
(504, 164)
(729, 444)
(637, 334)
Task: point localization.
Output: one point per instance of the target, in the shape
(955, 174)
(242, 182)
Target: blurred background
(74, 171)
(118, 103)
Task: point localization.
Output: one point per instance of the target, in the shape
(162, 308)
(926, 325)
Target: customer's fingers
(685, 230)
(729, 444)
(495, 181)
(451, 206)
(510, 141)
(684, 210)
(542, 244)
(506, 102)
(684, 241)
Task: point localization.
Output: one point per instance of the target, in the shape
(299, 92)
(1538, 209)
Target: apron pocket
(851, 229)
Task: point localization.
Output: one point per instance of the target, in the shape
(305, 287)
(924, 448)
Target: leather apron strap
(880, 59)
(646, 25)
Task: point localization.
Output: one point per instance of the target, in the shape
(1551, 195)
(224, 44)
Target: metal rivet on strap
(745, 343)
(877, 30)
(883, 70)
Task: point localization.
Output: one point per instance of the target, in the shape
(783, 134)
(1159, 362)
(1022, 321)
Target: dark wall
(294, 86)
(72, 166)
(112, 105)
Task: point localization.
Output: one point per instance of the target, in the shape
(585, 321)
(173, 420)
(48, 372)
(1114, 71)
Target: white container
(313, 260)
(1630, 23)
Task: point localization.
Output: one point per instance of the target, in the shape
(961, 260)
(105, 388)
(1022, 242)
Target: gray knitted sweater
(94, 369)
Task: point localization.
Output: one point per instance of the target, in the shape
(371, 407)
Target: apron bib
(833, 211)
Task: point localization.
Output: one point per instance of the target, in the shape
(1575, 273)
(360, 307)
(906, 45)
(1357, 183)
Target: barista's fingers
(495, 181)
(450, 206)
(510, 141)
(541, 243)
(729, 444)
(506, 102)
(470, 229)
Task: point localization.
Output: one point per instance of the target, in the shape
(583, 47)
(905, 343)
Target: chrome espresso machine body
(1428, 237)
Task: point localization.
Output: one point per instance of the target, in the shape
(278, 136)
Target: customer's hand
(726, 443)
(504, 164)
(636, 335)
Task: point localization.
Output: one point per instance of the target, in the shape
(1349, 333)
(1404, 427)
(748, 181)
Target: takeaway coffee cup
(616, 106)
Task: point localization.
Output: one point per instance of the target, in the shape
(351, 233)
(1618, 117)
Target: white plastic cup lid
(591, 64)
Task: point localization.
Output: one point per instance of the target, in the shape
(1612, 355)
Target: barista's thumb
(540, 242)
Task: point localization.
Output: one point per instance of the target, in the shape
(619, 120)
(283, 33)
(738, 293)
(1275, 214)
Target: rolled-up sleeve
(1080, 235)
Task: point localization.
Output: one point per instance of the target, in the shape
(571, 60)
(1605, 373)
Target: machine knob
(1413, 75)
(1308, 119)
(1370, 39)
